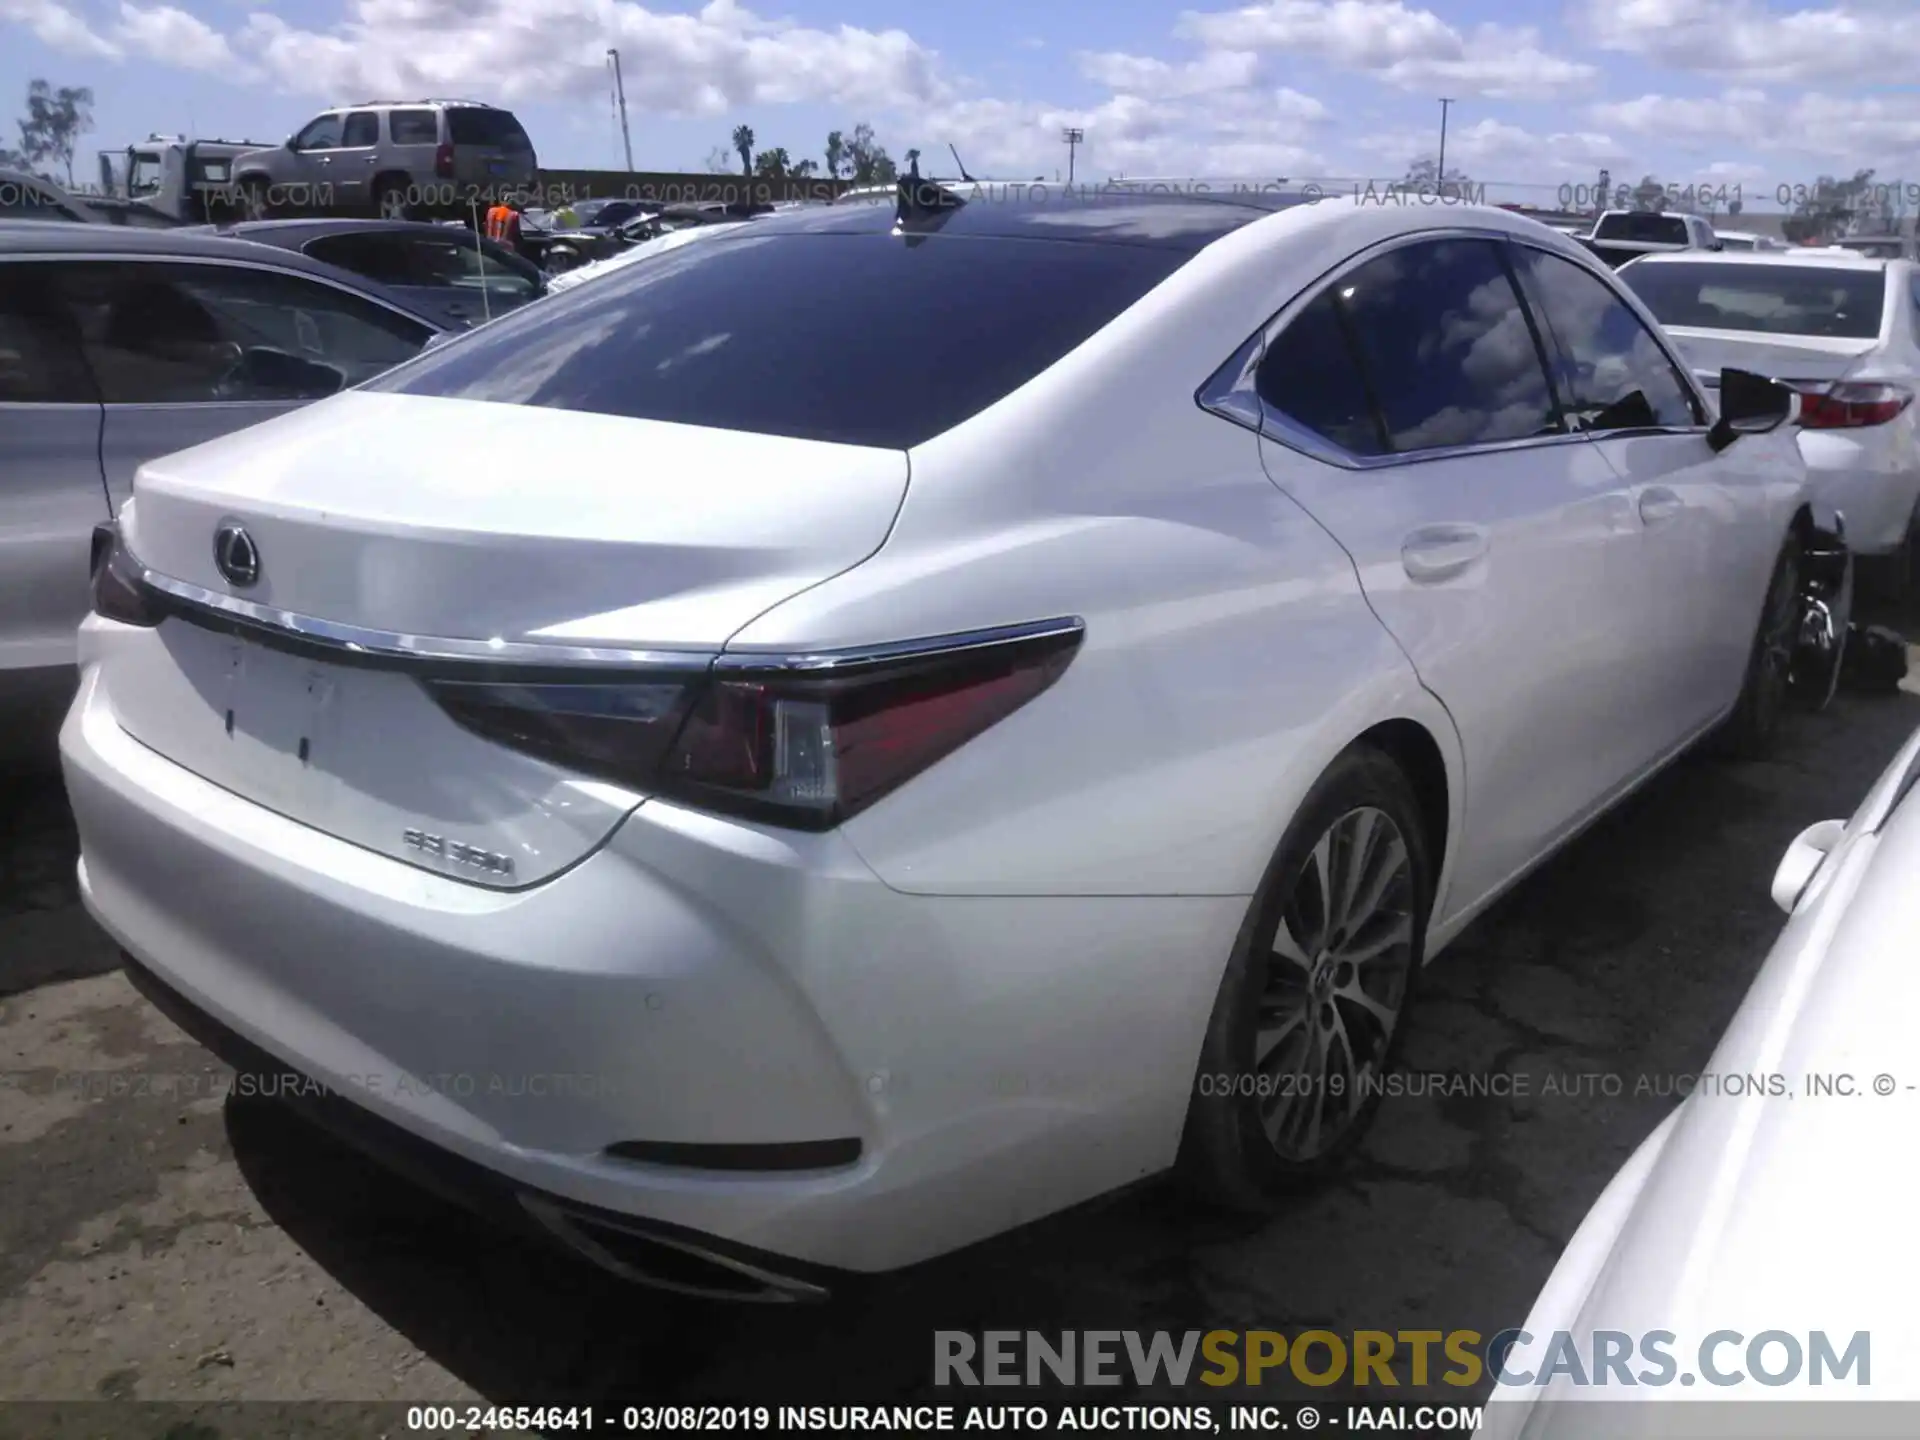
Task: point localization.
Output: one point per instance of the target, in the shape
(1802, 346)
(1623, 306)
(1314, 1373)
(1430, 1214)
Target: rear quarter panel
(1230, 654)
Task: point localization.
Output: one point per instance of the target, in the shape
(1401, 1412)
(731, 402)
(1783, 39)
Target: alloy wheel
(1337, 977)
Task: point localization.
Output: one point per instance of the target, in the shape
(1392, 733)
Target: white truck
(1622, 235)
(173, 180)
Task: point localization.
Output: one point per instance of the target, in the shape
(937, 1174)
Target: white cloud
(1160, 80)
(164, 33)
(57, 27)
(1731, 114)
(1851, 40)
(1852, 131)
(1494, 150)
(1409, 48)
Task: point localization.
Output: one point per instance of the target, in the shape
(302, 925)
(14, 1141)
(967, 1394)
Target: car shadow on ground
(1624, 957)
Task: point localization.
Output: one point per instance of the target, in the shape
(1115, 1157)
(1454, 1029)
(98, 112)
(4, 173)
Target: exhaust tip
(645, 1256)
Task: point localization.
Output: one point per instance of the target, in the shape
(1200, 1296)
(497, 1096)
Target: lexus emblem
(236, 555)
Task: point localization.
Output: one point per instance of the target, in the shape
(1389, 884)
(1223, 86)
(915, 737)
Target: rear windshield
(1813, 300)
(1643, 228)
(486, 127)
(863, 339)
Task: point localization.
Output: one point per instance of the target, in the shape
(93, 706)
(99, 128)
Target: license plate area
(278, 717)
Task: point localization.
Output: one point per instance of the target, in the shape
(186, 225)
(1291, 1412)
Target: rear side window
(1310, 375)
(1643, 227)
(468, 126)
(1830, 301)
(413, 127)
(1447, 348)
(362, 130)
(862, 339)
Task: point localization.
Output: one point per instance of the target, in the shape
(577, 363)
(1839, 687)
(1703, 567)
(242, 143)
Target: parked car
(1786, 1132)
(1623, 235)
(1743, 240)
(442, 271)
(658, 245)
(120, 344)
(598, 234)
(400, 159)
(871, 823)
(1880, 247)
(1843, 330)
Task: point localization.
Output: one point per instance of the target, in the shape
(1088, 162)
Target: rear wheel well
(1409, 745)
(1801, 527)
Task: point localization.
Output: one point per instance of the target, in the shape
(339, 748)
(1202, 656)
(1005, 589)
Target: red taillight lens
(814, 748)
(1850, 406)
(117, 591)
(807, 746)
(443, 162)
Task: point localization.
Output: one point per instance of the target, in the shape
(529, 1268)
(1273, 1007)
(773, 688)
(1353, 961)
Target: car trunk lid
(1778, 357)
(457, 527)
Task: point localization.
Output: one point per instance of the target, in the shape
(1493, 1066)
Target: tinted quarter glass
(322, 134)
(413, 127)
(1831, 301)
(40, 358)
(865, 338)
(1611, 372)
(163, 333)
(467, 126)
(1446, 346)
(363, 129)
(1309, 375)
(1643, 227)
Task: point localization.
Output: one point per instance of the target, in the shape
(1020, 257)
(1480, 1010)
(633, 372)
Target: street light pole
(1073, 137)
(620, 94)
(1440, 179)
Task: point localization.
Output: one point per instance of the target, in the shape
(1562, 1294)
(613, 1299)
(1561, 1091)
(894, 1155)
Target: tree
(803, 169)
(1829, 207)
(720, 161)
(743, 147)
(1424, 177)
(868, 159)
(54, 122)
(1649, 194)
(1733, 207)
(772, 164)
(836, 154)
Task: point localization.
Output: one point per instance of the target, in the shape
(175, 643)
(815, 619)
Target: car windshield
(1643, 228)
(1815, 300)
(854, 338)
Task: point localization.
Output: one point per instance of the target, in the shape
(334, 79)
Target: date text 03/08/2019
(1060, 1418)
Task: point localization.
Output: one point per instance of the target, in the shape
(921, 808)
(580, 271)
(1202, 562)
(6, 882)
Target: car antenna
(918, 198)
(962, 164)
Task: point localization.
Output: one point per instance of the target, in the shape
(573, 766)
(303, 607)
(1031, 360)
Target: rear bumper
(692, 983)
(1872, 477)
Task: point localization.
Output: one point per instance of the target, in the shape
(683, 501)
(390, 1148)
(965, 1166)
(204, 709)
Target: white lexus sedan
(1059, 668)
(1767, 1225)
(1844, 330)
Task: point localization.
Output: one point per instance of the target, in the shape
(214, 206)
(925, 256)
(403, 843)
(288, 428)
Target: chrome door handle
(1440, 552)
(1659, 505)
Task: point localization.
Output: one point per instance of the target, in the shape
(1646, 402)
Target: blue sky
(1758, 93)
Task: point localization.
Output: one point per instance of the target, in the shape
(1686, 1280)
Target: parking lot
(185, 1244)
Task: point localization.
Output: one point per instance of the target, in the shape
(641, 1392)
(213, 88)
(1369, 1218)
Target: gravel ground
(186, 1245)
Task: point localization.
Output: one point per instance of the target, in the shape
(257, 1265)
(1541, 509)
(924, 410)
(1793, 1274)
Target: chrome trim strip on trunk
(929, 647)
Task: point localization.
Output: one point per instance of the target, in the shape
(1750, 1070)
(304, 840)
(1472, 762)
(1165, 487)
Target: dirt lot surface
(186, 1245)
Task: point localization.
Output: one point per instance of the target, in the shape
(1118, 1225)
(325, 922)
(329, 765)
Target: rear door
(354, 162)
(1712, 521)
(1408, 408)
(51, 495)
(186, 351)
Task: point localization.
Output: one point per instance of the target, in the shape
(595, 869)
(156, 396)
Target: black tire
(1236, 1151)
(1752, 729)
(390, 198)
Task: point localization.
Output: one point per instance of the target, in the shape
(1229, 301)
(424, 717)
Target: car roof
(278, 232)
(61, 237)
(1030, 211)
(1816, 259)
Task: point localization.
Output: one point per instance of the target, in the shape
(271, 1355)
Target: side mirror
(1751, 404)
(1803, 860)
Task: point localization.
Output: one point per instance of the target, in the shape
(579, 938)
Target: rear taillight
(443, 161)
(806, 744)
(117, 591)
(1849, 406)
